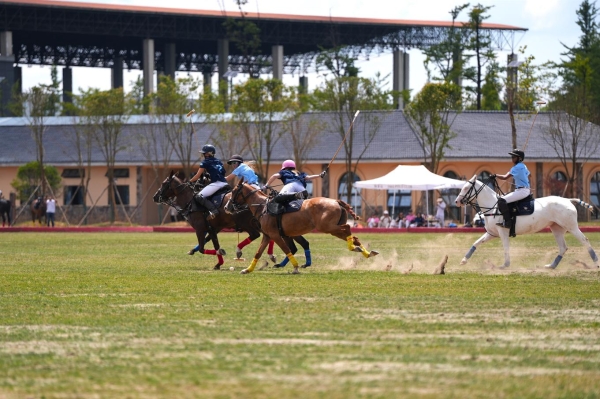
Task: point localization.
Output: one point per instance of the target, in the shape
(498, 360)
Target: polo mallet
(531, 128)
(342, 143)
(190, 113)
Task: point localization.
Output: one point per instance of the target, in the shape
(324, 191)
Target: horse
(323, 214)
(557, 213)
(5, 208)
(179, 194)
(38, 209)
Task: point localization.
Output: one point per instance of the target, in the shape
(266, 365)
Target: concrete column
(148, 65)
(539, 180)
(457, 64)
(170, 60)
(207, 80)
(7, 77)
(67, 83)
(303, 84)
(116, 73)
(6, 43)
(401, 72)
(512, 72)
(277, 55)
(223, 58)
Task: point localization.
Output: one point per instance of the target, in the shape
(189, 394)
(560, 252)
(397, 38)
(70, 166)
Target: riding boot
(504, 209)
(284, 198)
(208, 205)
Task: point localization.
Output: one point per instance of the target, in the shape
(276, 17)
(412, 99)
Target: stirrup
(211, 215)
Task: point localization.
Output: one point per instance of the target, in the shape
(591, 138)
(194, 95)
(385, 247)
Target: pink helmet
(288, 164)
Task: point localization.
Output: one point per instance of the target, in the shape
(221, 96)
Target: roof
(481, 136)
(249, 15)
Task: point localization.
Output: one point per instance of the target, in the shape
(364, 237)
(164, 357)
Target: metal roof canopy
(95, 35)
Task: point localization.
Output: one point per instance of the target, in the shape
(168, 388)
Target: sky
(549, 23)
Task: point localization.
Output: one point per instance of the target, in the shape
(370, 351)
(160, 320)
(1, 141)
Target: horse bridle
(176, 191)
(470, 198)
(237, 208)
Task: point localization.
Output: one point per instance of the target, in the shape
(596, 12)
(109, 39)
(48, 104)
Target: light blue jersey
(521, 174)
(246, 172)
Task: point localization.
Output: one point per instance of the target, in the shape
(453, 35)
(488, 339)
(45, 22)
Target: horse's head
(241, 197)
(468, 193)
(168, 188)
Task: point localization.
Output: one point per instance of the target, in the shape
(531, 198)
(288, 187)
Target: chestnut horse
(177, 193)
(38, 209)
(323, 214)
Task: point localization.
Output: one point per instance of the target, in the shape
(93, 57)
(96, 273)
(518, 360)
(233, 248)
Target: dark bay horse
(323, 214)
(175, 192)
(5, 208)
(38, 209)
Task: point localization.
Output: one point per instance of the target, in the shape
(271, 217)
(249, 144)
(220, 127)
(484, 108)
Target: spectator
(409, 219)
(50, 210)
(373, 221)
(440, 209)
(385, 220)
(419, 221)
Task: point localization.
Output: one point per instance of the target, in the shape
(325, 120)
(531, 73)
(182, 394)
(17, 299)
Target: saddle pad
(523, 207)
(274, 208)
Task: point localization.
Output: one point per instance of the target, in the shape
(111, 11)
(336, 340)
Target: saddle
(521, 207)
(216, 199)
(277, 209)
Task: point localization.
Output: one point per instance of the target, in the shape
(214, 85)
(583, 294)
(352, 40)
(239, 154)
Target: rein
(242, 207)
(470, 198)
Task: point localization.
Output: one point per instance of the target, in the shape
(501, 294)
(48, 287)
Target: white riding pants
(212, 188)
(516, 195)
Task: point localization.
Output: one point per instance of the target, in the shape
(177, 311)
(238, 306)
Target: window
(73, 195)
(119, 172)
(356, 201)
(556, 183)
(399, 201)
(123, 193)
(449, 195)
(73, 173)
(310, 187)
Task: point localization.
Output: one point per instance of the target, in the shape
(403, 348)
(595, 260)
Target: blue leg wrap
(308, 258)
(284, 261)
(556, 262)
(468, 255)
(593, 255)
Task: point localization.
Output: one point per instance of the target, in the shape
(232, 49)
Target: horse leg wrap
(593, 255)
(252, 265)
(292, 259)
(209, 252)
(220, 259)
(350, 243)
(468, 255)
(283, 263)
(308, 258)
(556, 262)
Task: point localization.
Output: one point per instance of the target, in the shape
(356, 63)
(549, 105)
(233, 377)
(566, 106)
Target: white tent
(411, 177)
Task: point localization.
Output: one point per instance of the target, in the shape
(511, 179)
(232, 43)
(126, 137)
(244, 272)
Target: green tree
(492, 86)
(432, 113)
(29, 179)
(105, 112)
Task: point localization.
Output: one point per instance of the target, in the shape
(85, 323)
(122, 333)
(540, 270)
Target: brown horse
(38, 209)
(179, 194)
(323, 214)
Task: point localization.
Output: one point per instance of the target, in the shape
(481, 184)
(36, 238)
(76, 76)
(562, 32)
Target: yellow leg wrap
(252, 265)
(365, 252)
(350, 243)
(292, 259)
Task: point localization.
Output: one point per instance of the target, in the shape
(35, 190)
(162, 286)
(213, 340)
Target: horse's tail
(348, 209)
(577, 201)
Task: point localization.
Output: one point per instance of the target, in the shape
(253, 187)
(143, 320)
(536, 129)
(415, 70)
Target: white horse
(555, 212)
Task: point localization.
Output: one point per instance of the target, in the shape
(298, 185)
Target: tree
(480, 46)
(258, 110)
(29, 178)
(432, 112)
(345, 93)
(39, 103)
(105, 112)
(490, 91)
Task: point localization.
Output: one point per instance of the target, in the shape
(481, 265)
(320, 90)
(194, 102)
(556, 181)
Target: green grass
(132, 316)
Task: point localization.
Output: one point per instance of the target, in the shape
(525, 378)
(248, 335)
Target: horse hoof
(191, 252)
(217, 267)
(373, 253)
(221, 252)
(245, 271)
(305, 266)
(463, 261)
(238, 253)
(550, 266)
(273, 258)
(296, 271)
(278, 266)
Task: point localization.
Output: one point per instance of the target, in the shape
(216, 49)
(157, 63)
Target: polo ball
(232, 268)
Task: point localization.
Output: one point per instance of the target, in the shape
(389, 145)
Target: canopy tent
(411, 177)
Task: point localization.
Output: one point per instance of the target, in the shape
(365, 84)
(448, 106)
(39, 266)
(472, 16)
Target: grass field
(131, 315)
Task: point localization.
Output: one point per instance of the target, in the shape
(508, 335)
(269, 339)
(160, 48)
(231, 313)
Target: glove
(323, 173)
